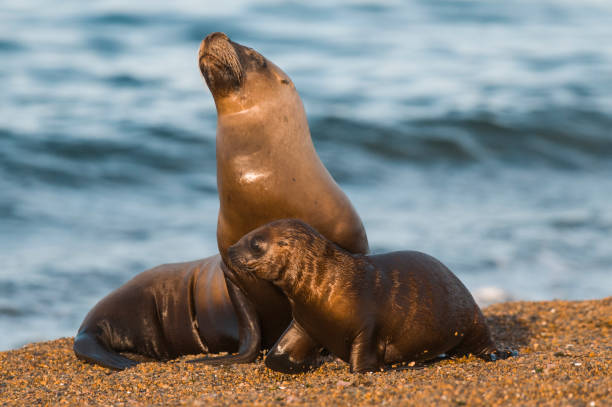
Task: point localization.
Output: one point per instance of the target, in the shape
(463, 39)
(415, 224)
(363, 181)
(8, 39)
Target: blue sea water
(477, 131)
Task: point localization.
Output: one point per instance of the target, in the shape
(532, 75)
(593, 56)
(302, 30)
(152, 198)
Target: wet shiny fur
(168, 311)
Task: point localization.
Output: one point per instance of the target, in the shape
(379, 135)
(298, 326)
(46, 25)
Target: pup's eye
(282, 243)
(257, 245)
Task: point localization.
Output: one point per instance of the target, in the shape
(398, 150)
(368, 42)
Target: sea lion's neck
(312, 275)
(265, 108)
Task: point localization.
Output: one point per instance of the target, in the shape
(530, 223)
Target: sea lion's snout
(238, 264)
(219, 63)
(233, 255)
(249, 247)
(213, 41)
(217, 35)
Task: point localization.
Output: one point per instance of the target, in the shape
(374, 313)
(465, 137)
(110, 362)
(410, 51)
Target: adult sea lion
(267, 169)
(165, 312)
(370, 311)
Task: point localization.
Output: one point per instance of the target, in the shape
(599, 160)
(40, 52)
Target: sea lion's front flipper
(248, 329)
(88, 348)
(366, 355)
(294, 352)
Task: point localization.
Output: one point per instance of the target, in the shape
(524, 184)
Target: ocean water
(479, 132)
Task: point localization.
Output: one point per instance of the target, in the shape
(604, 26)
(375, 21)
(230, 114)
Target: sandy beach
(565, 358)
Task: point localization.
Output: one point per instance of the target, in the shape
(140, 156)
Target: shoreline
(565, 358)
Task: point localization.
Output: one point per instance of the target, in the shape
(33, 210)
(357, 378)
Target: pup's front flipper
(294, 352)
(366, 354)
(249, 331)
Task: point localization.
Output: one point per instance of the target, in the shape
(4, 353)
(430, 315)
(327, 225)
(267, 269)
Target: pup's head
(267, 252)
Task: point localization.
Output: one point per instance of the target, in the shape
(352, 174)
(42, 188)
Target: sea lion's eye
(282, 243)
(257, 245)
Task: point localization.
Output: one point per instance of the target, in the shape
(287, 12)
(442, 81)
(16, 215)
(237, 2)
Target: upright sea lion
(267, 169)
(370, 311)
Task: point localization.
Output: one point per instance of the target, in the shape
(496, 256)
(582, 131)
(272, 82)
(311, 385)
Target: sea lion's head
(270, 250)
(236, 75)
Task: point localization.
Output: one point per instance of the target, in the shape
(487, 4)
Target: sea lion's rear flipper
(479, 342)
(497, 354)
(88, 348)
(249, 331)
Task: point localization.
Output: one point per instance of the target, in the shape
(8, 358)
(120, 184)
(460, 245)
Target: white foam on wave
(488, 295)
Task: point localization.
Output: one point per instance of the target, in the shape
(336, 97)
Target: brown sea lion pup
(370, 311)
(267, 169)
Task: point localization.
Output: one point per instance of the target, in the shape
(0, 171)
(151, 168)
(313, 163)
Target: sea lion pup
(370, 311)
(267, 169)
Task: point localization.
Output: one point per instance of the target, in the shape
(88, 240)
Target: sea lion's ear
(250, 58)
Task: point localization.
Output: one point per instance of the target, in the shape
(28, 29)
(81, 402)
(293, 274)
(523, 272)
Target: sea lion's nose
(216, 36)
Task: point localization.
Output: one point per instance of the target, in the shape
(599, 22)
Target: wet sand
(565, 358)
